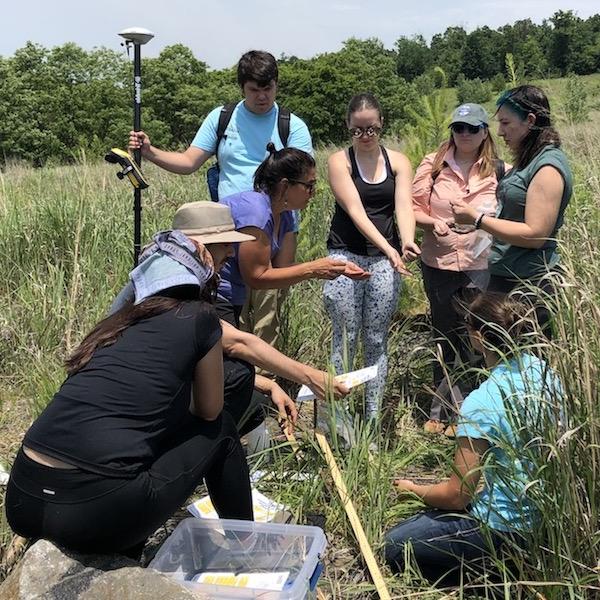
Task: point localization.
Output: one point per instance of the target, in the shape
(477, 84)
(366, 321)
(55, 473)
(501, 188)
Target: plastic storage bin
(231, 559)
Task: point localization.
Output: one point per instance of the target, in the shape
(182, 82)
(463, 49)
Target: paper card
(265, 509)
(263, 581)
(4, 475)
(351, 380)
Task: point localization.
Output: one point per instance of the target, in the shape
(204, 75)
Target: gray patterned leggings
(366, 306)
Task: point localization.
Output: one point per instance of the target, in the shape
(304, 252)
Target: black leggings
(247, 406)
(444, 288)
(86, 512)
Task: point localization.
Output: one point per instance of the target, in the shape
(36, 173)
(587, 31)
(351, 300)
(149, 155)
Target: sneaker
(433, 426)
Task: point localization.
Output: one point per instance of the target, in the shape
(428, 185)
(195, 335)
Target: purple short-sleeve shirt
(250, 209)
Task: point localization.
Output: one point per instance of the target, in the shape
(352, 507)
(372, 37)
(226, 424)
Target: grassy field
(65, 249)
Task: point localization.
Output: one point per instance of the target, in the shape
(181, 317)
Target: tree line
(56, 102)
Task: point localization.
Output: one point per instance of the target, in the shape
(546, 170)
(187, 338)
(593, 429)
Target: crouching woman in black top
(138, 422)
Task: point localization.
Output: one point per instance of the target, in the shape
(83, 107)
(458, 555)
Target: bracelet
(478, 220)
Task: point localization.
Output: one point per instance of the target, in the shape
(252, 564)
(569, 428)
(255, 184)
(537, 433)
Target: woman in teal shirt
(485, 503)
(532, 197)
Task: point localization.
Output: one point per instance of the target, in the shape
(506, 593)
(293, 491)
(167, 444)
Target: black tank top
(378, 201)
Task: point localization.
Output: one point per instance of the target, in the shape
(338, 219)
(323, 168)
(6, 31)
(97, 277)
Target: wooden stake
(363, 543)
(291, 438)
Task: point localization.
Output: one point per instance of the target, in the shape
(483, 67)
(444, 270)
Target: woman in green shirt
(532, 197)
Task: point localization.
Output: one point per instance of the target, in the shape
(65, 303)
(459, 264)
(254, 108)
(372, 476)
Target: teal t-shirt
(507, 260)
(244, 144)
(507, 411)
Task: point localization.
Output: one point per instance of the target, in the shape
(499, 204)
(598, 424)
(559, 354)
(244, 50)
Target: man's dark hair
(258, 66)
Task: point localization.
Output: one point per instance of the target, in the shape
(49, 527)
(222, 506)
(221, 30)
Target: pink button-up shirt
(455, 251)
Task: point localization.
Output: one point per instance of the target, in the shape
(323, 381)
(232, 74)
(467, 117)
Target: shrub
(575, 102)
(473, 90)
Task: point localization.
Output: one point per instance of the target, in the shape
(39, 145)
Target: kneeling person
(120, 447)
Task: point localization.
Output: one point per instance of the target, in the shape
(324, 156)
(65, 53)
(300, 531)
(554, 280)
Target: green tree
(447, 51)
(67, 99)
(319, 89)
(571, 47)
(174, 87)
(483, 54)
(413, 57)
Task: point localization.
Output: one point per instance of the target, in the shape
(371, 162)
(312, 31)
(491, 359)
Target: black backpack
(212, 175)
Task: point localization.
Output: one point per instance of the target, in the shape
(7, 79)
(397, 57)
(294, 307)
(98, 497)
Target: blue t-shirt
(508, 410)
(244, 144)
(250, 209)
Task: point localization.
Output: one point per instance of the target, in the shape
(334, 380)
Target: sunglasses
(309, 186)
(358, 132)
(466, 128)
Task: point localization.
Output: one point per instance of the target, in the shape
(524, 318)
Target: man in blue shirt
(243, 147)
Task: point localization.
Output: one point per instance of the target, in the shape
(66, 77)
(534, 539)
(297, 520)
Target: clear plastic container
(230, 559)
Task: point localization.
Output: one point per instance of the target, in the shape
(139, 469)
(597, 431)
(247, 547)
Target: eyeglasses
(358, 132)
(465, 127)
(309, 186)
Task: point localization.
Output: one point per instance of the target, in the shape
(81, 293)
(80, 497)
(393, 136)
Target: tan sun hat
(208, 222)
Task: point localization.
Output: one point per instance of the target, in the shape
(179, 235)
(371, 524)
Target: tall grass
(65, 250)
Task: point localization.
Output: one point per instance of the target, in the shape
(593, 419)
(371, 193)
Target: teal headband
(506, 98)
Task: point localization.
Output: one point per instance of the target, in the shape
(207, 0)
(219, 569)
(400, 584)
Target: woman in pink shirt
(454, 257)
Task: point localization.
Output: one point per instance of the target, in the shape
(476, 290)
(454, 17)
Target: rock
(48, 573)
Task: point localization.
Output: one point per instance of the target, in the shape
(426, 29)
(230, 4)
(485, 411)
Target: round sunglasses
(358, 132)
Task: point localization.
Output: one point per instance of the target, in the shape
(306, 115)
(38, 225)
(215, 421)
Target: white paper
(351, 380)
(4, 476)
(483, 241)
(265, 509)
(262, 581)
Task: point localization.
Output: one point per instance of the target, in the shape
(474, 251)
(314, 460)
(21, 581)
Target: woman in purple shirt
(284, 182)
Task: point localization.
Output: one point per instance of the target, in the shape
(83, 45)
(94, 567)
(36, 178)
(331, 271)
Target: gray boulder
(48, 573)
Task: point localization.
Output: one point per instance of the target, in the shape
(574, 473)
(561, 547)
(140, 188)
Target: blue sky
(219, 31)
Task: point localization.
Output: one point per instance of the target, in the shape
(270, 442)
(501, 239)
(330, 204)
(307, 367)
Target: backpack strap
(283, 125)
(224, 118)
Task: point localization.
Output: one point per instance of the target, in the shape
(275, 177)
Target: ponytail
(287, 163)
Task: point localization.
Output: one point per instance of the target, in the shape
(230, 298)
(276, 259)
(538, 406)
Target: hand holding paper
(350, 380)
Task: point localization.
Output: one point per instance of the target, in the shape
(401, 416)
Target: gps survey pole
(137, 36)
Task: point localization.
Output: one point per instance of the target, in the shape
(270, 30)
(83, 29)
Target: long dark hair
(110, 328)
(525, 100)
(287, 163)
